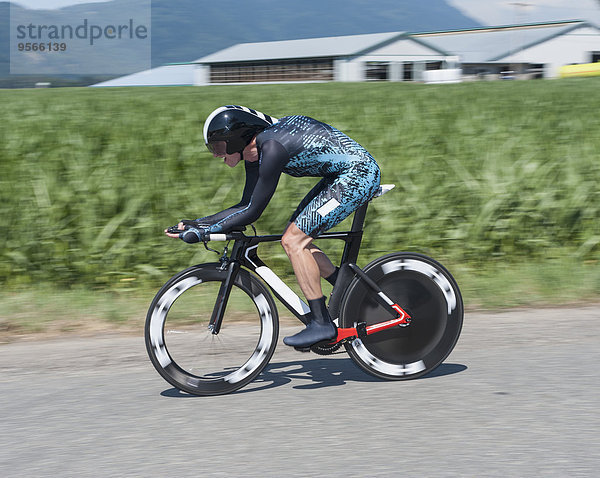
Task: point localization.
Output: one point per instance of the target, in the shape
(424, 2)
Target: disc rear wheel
(428, 293)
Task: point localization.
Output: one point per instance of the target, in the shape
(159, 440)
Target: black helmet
(235, 126)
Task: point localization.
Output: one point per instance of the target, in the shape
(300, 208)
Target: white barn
(378, 56)
(537, 49)
(529, 50)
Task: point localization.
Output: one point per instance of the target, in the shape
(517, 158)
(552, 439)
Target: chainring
(324, 348)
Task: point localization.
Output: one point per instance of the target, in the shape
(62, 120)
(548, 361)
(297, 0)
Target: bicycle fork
(402, 318)
(217, 315)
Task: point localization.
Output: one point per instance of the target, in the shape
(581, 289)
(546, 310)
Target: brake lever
(186, 225)
(174, 230)
(197, 225)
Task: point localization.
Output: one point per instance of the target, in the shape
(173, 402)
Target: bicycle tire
(428, 293)
(187, 354)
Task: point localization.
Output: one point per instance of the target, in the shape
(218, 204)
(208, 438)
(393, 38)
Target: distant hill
(185, 30)
(188, 29)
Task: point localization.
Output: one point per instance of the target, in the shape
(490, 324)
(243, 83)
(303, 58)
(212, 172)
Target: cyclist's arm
(273, 157)
(251, 179)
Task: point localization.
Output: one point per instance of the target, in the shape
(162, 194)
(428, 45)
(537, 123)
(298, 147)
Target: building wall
(402, 60)
(573, 47)
(274, 71)
(201, 75)
(349, 70)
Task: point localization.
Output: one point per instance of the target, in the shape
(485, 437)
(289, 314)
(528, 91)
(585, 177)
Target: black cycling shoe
(320, 327)
(315, 331)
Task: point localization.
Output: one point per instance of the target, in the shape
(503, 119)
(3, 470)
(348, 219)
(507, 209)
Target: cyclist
(298, 146)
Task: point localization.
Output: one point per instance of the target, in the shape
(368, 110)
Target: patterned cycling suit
(302, 146)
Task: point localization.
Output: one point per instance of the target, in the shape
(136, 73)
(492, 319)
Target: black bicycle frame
(244, 253)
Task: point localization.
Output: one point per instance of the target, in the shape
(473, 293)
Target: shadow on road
(316, 373)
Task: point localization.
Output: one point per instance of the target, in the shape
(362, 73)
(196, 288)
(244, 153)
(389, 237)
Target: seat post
(352, 246)
(359, 217)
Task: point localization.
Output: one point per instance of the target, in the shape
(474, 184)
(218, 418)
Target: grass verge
(43, 312)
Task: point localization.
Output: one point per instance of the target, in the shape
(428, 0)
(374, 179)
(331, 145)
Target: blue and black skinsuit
(302, 146)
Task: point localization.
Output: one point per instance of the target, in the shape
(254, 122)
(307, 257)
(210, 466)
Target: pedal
(361, 329)
(302, 349)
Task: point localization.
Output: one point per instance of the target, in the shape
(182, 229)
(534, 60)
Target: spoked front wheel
(428, 293)
(181, 344)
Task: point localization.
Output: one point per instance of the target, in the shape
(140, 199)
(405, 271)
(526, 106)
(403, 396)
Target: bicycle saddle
(384, 188)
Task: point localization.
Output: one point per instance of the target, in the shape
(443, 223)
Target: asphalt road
(519, 396)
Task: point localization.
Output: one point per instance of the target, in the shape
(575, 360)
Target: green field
(497, 180)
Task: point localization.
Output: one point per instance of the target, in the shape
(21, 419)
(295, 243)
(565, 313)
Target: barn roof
(488, 44)
(328, 47)
(474, 45)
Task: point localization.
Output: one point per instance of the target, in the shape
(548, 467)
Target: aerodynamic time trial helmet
(229, 129)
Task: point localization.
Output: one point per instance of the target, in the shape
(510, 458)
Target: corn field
(484, 172)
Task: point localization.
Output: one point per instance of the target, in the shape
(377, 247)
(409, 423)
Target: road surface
(519, 396)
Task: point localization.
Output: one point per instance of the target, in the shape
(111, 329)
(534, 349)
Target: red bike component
(403, 315)
(345, 334)
(402, 321)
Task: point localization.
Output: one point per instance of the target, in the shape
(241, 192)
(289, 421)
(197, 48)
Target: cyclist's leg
(320, 326)
(327, 270)
(308, 273)
(299, 245)
(338, 198)
(331, 201)
(326, 267)
(322, 184)
(334, 202)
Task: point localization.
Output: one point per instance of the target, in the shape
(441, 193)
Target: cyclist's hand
(192, 235)
(187, 231)
(173, 230)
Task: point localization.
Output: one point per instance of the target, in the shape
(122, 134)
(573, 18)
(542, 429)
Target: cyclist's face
(219, 150)
(232, 160)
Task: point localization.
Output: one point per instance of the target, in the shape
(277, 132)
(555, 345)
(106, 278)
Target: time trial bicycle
(398, 318)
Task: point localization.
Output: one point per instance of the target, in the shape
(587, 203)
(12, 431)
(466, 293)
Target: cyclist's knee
(294, 240)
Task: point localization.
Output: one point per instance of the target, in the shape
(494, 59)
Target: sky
(52, 4)
(487, 12)
(503, 12)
